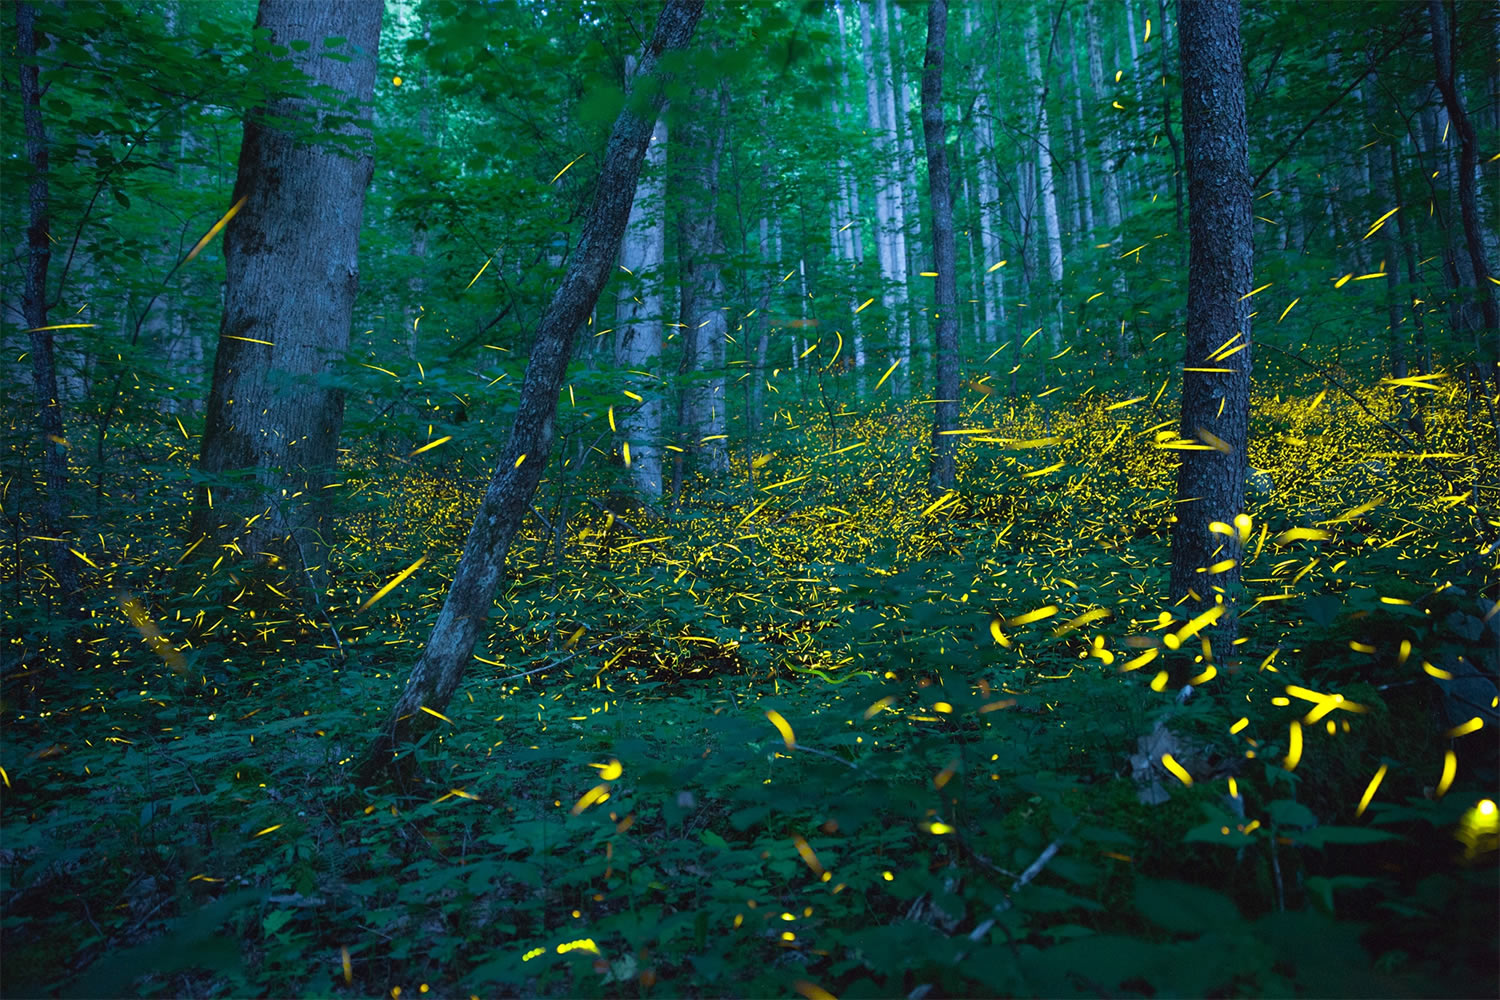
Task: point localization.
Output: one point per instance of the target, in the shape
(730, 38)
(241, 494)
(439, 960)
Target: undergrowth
(814, 731)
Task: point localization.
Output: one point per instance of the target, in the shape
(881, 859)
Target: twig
(556, 663)
(1334, 381)
(629, 528)
(978, 933)
(312, 588)
(825, 753)
(1276, 874)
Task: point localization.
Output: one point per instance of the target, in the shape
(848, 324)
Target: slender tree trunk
(1215, 403)
(1166, 121)
(897, 197)
(704, 322)
(466, 609)
(61, 563)
(944, 252)
(271, 437)
(900, 94)
(1047, 185)
(1080, 140)
(1110, 182)
(640, 314)
(1445, 52)
(889, 220)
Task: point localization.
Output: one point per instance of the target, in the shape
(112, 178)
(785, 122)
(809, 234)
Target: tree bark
(1166, 121)
(466, 609)
(271, 435)
(1445, 52)
(640, 314)
(1081, 157)
(1216, 402)
(944, 252)
(1110, 181)
(704, 322)
(61, 563)
(1047, 184)
(890, 210)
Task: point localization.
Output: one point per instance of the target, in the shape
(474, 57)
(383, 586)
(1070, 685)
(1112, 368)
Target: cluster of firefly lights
(830, 526)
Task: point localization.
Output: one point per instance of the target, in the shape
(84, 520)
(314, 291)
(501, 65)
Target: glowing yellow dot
(395, 81)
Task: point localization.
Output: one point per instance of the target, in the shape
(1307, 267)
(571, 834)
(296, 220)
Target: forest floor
(820, 733)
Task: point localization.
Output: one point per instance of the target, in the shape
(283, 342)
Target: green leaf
(1323, 835)
(1286, 812)
(1178, 906)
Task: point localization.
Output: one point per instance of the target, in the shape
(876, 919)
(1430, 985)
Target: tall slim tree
(1216, 379)
(890, 212)
(1110, 180)
(1445, 55)
(640, 315)
(61, 562)
(944, 252)
(274, 416)
(704, 323)
(1046, 178)
(466, 609)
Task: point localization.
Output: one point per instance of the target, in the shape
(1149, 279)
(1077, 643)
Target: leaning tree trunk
(273, 419)
(61, 563)
(944, 252)
(466, 610)
(1216, 382)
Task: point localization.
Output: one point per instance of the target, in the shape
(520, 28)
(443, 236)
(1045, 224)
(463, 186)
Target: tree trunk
(1047, 185)
(944, 253)
(991, 287)
(1445, 52)
(704, 322)
(897, 192)
(61, 563)
(888, 210)
(1080, 141)
(1110, 182)
(640, 314)
(466, 609)
(1215, 403)
(907, 179)
(1166, 121)
(271, 436)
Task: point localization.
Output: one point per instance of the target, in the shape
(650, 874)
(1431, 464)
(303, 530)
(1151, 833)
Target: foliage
(810, 729)
(932, 765)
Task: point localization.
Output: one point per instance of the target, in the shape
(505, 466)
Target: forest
(766, 498)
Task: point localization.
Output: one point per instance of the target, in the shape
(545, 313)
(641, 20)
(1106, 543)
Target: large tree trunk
(1445, 51)
(466, 610)
(61, 563)
(944, 254)
(1216, 401)
(271, 435)
(641, 313)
